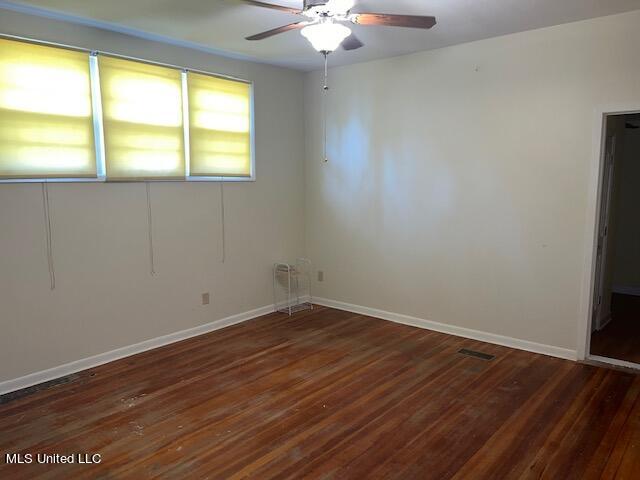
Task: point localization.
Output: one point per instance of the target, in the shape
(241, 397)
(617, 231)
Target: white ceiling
(221, 25)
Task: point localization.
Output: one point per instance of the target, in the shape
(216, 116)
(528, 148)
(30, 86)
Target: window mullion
(185, 121)
(98, 126)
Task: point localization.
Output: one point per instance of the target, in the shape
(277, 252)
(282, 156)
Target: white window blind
(143, 120)
(46, 121)
(219, 126)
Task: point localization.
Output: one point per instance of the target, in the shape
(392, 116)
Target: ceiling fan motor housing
(317, 8)
(314, 3)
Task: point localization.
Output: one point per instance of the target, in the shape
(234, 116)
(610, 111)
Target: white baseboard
(635, 291)
(452, 329)
(106, 357)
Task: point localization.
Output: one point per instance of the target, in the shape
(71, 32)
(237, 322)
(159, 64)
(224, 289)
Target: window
(46, 121)
(152, 122)
(219, 126)
(143, 120)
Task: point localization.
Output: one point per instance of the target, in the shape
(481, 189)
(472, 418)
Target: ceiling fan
(323, 27)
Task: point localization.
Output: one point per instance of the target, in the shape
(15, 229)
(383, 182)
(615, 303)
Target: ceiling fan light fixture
(325, 36)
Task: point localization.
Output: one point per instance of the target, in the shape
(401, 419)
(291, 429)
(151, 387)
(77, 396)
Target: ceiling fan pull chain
(325, 87)
(326, 63)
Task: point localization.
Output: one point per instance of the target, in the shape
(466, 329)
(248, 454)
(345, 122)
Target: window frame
(252, 129)
(98, 123)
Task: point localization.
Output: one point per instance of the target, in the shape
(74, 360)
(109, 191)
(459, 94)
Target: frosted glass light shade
(326, 37)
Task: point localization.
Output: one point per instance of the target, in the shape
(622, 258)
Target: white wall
(105, 297)
(458, 182)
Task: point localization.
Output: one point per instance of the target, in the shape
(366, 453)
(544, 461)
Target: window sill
(104, 180)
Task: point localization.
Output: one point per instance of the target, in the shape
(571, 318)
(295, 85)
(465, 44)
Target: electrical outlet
(205, 298)
(320, 276)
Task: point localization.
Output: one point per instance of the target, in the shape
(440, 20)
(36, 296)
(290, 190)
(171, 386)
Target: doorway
(615, 316)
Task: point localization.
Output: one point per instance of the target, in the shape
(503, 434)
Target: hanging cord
(325, 87)
(150, 232)
(48, 234)
(222, 222)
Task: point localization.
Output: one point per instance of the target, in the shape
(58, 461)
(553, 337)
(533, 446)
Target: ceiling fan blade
(389, 20)
(352, 42)
(272, 6)
(276, 31)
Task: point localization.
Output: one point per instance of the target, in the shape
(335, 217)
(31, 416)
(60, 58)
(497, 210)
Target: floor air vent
(8, 397)
(473, 353)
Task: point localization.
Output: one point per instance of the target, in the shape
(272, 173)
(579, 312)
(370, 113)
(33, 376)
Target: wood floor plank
(166, 384)
(511, 448)
(331, 394)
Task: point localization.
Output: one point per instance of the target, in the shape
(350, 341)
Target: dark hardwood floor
(333, 395)
(620, 338)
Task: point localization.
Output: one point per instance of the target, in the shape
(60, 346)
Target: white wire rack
(292, 286)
